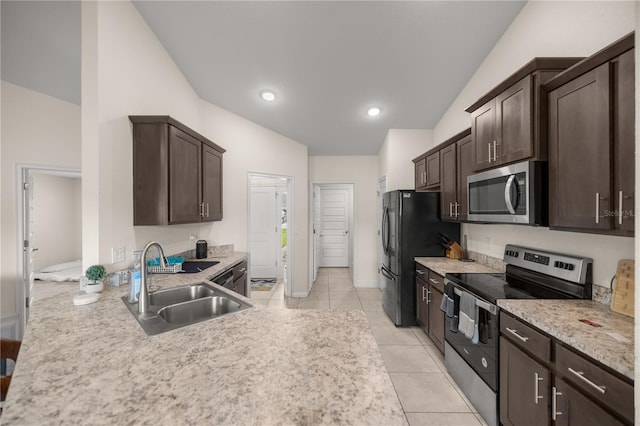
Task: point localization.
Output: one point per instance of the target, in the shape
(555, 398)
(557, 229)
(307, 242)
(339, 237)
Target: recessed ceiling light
(374, 112)
(268, 96)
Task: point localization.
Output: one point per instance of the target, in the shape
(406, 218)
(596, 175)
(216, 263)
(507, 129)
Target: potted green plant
(92, 282)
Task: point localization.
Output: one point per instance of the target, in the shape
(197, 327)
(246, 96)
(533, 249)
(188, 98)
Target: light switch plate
(117, 254)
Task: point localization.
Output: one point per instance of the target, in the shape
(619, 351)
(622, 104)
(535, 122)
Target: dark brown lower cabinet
(429, 294)
(571, 408)
(566, 388)
(524, 388)
(240, 278)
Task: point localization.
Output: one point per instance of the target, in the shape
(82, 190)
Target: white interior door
(382, 188)
(317, 229)
(28, 252)
(263, 232)
(334, 220)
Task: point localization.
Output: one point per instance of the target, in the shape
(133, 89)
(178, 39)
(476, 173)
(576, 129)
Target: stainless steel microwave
(517, 193)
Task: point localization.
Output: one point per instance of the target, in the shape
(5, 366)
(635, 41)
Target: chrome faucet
(143, 299)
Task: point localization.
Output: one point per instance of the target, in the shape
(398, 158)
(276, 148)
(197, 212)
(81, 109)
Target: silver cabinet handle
(419, 272)
(207, 209)
(597, 207)
(507, 194)
(515, 333)
(433, 280)
(554, 403)
(580, 375)
(495, 151)
(424, 295)
(456, 211)
(450, 209)
(620, 196)
(489, 145)
(428, 294)
(201, 209)
(538, 379)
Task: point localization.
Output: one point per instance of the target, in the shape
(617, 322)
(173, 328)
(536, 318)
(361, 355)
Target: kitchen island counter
(611, 343)
(94, 364)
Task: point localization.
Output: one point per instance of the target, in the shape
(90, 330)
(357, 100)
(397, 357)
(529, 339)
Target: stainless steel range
(471, 332)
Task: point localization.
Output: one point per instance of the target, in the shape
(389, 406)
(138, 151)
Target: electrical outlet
(117, 254)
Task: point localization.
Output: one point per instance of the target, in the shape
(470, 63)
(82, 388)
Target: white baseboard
(9, 326)
(367, 284)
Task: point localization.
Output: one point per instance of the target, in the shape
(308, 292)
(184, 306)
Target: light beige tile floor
(428, 394)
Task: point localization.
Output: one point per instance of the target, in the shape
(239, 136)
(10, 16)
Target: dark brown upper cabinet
(427, 168)
(508, 124)
(177, 173)
(455, 165)
(591, 143)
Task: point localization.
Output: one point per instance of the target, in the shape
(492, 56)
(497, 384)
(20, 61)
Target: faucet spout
(143, 299)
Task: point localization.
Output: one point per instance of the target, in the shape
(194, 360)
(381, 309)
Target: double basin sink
(178, 307)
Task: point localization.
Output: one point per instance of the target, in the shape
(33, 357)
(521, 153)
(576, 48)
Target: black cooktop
(492, 287)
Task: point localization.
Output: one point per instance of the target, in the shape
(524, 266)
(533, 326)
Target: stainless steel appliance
(410, 227)
(530, 274)
(511, 194)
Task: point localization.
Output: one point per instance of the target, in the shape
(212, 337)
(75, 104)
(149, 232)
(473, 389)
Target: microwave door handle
(507, 194)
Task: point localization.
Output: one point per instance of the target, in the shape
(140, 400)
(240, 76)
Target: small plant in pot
(92, 282)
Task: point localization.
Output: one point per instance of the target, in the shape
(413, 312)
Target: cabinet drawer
(436, 281)
(239, 270)
(595, 381)
(422, 272)
(526, 337)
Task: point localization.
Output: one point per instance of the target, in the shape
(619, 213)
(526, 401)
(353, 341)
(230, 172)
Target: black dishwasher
(225, 279)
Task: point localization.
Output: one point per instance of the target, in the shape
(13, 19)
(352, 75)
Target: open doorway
(270, 242)
(333, 231)
(50, 228)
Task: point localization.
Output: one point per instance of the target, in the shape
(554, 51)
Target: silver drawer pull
(428, 298)
(554, 404)
(419, 272)
(536, 387)
(515, 333)
(433, 280)
(580, 374)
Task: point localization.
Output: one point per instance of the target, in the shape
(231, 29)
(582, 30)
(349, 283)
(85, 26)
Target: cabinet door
(464, 157)
(433, 169)
(579, 152)
(525, 388)
(436, 318)
(448, 183)
(422, 314)
(483, 122)
(514, 126)
(574, 409)
(184, 179)
(211, 183)
(623, 142)
(421, 173)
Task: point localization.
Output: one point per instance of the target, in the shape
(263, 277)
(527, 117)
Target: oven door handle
(479, 302)
(507, 193)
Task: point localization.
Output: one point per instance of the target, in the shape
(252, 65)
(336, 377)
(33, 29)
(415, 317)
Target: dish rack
(174, 265)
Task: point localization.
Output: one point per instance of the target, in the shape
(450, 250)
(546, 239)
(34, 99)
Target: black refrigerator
(410, 227)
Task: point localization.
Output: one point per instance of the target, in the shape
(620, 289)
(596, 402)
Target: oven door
(503, 195)
(483, 356)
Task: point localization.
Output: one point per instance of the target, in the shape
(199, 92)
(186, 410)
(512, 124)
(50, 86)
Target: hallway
(429, 396)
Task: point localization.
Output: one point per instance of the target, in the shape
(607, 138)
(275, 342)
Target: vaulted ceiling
(327, 62)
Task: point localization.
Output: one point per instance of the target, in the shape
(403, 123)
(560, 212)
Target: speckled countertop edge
(444, 265)
(561, 319)
(95, 365)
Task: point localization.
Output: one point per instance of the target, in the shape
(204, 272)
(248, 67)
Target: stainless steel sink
(198, 310)
(178, 307)
(171, 296)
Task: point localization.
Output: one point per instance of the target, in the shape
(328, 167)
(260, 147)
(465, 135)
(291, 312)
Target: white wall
(57, 220)
(545, 29)
(363, 171)
(257, 150)
(36, 130)
(395, 157)
(126, 71)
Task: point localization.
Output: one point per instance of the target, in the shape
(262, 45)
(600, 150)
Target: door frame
(353, 225)
(288, 285)
(23, 172)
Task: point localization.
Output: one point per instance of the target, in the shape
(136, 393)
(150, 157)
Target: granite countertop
(94, 364)
(444, 265)
(611, 344)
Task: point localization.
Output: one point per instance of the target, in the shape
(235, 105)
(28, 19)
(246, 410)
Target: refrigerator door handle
(385, 231)
(387, 274)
